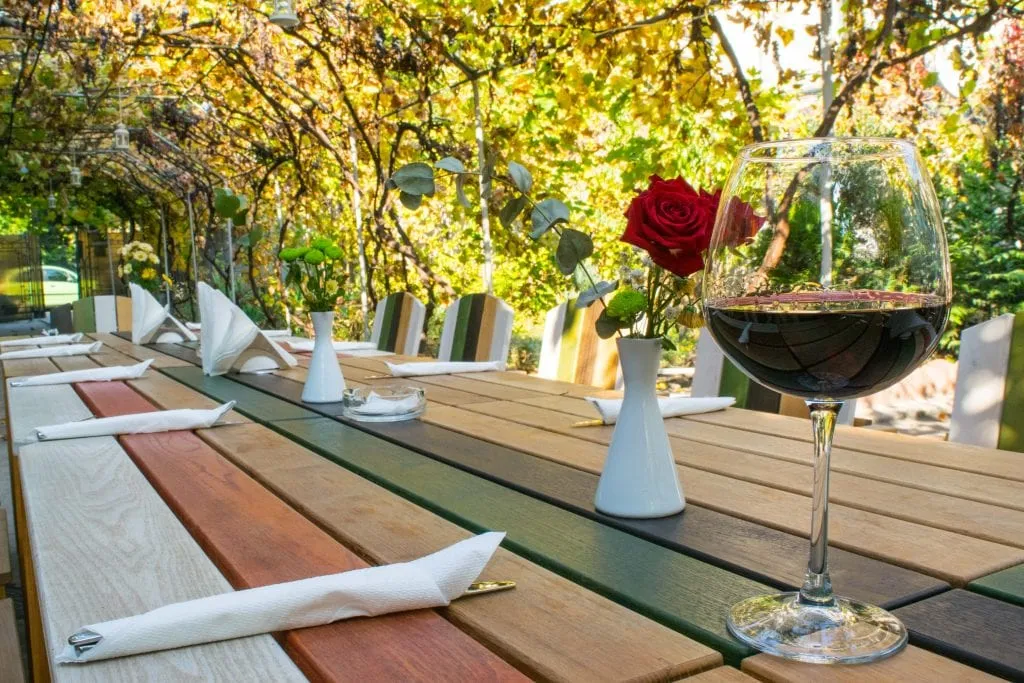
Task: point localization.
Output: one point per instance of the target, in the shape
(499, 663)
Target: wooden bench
(10, 650)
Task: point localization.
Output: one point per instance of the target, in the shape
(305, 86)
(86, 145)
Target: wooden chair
(716, 375)
(477, 327)
(398, 324)
(104, 313)
(571, 351)
(988, 406)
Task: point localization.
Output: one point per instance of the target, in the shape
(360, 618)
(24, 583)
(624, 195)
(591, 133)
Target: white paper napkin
(376, 405)
(53, 351)
(671, 406)
(297, 345)
(47, 340)
(431, 581)
(116, 372)
(197, 327)
(139, 423)
(230, 339)
(443, 368)
(150, 318)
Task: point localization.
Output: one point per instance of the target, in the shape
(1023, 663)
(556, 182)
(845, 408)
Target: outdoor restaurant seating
(477, 327)
(398, 324)
(572, 351)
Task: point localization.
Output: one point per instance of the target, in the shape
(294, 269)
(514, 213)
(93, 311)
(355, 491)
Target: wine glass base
(847, 632)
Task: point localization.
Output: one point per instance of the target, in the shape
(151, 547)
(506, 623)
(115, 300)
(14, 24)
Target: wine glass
(827, 278)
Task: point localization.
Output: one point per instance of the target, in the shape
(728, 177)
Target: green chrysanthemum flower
(290, 254)
(313, 257)
(627, 304)
(333, 252)
(321, 243)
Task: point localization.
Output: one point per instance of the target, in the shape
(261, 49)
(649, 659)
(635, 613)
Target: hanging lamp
(51, 201)
(120, 131)
(75, 173)
(284, 14)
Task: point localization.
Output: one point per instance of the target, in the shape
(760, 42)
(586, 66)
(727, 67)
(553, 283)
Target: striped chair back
(398, 324)
(571, 351)
(104, 313)
(477, 327)
(716, 375)
(988, 407)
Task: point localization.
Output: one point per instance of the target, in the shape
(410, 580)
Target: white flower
(637, 278)
(153, 258)
(127, 269)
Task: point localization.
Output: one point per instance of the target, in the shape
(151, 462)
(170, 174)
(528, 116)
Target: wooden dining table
(113, 526)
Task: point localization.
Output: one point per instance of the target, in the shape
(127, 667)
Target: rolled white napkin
(47, 340)
(139, 423)
(431, 581)
(53, 351)
(116, 372)
(376, 405)
(671, 406)
(306, 345)
(443, 368)
(198, 327)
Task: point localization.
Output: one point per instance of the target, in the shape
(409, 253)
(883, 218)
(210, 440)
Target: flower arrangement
(670, 221)
(139, 264)
(317, 272)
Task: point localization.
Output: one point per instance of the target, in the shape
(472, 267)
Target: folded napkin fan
(53, 351)
(443, 368)
(431, 581)
(116, 372)
(306, 345)
(671, 406)
(231, 341)
(139, 423)
(153, 322)
(47, 340)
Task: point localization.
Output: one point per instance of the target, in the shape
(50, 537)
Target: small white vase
(639, 479)
(324, 383)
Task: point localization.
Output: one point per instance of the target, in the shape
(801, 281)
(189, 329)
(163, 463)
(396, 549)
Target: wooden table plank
(977, 630)
(968, 517)
(761, 553)
(911, 665)
(10, 652)
(125, 347)
(723, 674)
(1005, 585)
(949, 556)
(685, 594)
(23, 367)
(31, 407)
(256, 539)
(105, 546)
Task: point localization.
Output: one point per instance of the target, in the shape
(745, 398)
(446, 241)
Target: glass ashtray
(386, 403)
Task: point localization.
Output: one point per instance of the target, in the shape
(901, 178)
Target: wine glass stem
(817, 588)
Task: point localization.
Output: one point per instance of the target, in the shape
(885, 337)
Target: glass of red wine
(828, 279)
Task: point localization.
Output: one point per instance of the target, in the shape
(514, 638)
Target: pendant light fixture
(51, 201)
(284, 14)
(120, 131)
(75, 173)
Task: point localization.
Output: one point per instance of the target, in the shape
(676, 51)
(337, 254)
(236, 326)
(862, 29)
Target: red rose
(672, 222)
(739, 222)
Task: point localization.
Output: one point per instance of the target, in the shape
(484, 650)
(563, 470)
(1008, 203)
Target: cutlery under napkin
(431, 581)
(116, 372)
(443, 368)
(306, 345)
(53, 351)
(671, 406)
(48, 340)
(138, 423)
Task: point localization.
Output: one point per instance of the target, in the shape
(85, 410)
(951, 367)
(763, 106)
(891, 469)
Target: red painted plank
(256, 539)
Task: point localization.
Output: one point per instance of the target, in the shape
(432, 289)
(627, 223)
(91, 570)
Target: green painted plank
(1011, 431)
(252, 403)
(84, 312)
(1006, 585)
(465, 307)
(389, 324)
(679, 591)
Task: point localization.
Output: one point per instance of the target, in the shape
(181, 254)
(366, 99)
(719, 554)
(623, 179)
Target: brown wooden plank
(70, 363)
(125, 347)
(723, 674)
(549, 627)
(256, 539)
(22, 367)
(912, 664)
(10, 650)
(950, 556)
(5, 555)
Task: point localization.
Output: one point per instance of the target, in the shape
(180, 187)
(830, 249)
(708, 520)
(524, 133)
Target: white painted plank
(981, 382)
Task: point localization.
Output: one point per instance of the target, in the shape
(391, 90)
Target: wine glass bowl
(827, 278)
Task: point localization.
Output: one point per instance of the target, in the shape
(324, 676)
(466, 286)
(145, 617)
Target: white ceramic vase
(324, 383)
(639, 479)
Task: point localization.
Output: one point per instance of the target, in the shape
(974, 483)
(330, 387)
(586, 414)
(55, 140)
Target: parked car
(60, 286)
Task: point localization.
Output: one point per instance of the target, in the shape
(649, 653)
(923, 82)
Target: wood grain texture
(946, 555)
(5, 556)
(96, 524)
(759, 552)
(124, 346)
(911, 665)
(549, 627)
(980, 631)
(23, 367)
(10, 649)
(31, 407)
(723, 674)
(1005, 585)
(256, 539)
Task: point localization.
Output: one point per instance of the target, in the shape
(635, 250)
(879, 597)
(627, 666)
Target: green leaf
(589, 296)
(451, 164)
(226, 203)
(606, 326)
(410, 201)
(573, 247)
(520, 176)
(546, 214)
(931, 79)
(460, 190)
(511, 210)
(415, 178)
(667, 344)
